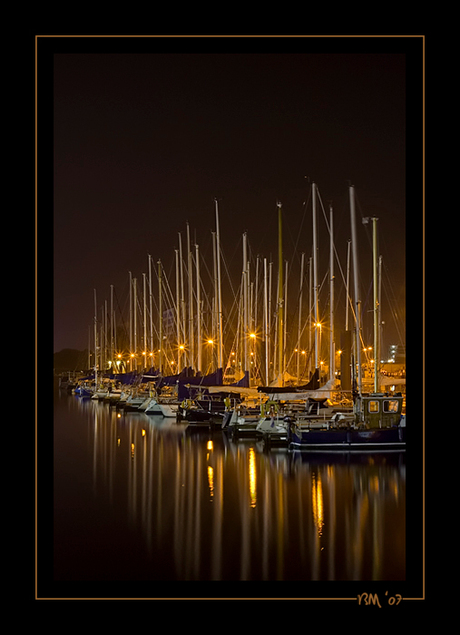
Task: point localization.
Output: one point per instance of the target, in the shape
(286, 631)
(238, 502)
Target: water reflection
(213, 509)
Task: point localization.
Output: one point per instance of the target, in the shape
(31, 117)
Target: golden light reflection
(132, 450)
(317, 502)
(211, 480)
(209, 445)
(252, 477)
(374, 484)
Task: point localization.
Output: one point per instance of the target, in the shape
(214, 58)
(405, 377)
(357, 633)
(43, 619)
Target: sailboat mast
(198, 309)
(310, 288)
(270, 295)
(135, 319)
(376, 305)
(380, 309)
(178, 310)
(111, 326)
(302, 261)
(144, 291)
(219, 290)
(182, 298)
(315, 274)
(160, 316)
(130, 320)
(150, 306)
(285, 311)
(280, 295)
(95, 338)
(331, 294)
(354, 245)
(347, 299)
(191, 337)
(106, 330)
(245, 303)
(266, 330)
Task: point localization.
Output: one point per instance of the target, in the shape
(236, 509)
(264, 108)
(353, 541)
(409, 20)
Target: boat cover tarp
(188, 387)
(125, 378)
(212, 383)
(294, 394)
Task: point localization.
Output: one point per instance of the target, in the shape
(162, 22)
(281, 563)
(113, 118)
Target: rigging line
(236, 250)
(337, 258)
(390, 301)
(229, 323)
(125, 329)
(305, 206)
(226, 270)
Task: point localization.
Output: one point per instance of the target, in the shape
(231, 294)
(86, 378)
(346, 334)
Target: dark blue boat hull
(378, 439)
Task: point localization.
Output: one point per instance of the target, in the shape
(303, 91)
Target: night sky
(146, 132)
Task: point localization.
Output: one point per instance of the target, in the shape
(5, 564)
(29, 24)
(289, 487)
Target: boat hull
(156, 409)
(374, 440)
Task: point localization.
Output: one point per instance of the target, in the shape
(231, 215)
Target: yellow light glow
(253, 335)
(252, 477)
(210, 341)
(211, 480)
(317, 503)
(209, 445)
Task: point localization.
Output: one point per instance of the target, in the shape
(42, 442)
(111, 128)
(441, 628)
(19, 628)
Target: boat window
(373, 406)
(390, 405)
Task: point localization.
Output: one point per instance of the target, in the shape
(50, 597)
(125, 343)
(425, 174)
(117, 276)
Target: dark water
(138, 498)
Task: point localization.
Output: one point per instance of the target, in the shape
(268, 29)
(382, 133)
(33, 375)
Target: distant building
(397, 353)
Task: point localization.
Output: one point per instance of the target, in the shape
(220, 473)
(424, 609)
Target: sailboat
(377, 422)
